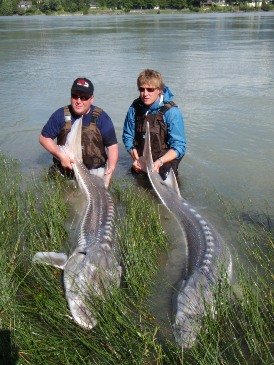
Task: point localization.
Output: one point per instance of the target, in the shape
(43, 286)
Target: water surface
(219, 66)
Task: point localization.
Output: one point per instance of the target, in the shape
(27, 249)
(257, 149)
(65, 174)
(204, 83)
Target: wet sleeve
(106, 127)
(176, 131)
(129, 130)
(54, 125)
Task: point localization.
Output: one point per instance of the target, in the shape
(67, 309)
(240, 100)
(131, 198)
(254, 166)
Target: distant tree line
(10, 7)
(146, 4)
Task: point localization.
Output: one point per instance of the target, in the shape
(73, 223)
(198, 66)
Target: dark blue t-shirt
(57, 121)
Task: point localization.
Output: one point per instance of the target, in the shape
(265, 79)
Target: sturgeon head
(92, 268)
(89, 274)
(208, 256)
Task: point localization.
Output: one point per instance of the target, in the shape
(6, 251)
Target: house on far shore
(208, 3)
(24, 4)
(92, 6)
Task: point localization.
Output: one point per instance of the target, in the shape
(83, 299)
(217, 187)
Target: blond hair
(151, 78)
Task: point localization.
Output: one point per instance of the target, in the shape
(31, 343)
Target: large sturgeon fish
(208, 257)
(93, 266)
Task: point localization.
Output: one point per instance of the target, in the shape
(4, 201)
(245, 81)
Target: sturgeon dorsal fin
(171, 180)
(51, 258)
(172, 183)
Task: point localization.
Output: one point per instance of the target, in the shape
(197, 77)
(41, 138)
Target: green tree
(111, 4)
(73, 7)
(54, 4)
(70, 5)
(178, 4)
(163, 4)
(44, 6)
(7, 8)
(128, 5)
(139, 4)
(100, 3)
(193, 3)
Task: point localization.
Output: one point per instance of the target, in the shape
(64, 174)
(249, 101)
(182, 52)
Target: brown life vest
(157, 126)
(94, 153)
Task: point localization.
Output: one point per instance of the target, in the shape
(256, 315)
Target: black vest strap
(161, 112)
(94, 116)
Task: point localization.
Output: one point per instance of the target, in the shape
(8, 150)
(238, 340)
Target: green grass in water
(35, 322)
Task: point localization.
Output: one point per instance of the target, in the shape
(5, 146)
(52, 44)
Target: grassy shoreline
(35, 323)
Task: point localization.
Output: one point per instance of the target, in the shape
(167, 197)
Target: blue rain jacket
(173, 118)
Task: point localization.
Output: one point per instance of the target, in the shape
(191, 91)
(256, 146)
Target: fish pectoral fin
(171, 182)
(51, 258)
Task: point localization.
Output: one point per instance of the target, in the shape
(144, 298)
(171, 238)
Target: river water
(219, 66)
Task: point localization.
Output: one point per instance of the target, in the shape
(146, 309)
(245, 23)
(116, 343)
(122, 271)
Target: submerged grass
(35, 323)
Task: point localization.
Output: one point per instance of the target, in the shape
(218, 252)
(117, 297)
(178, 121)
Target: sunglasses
(82, 97)
(148, 89)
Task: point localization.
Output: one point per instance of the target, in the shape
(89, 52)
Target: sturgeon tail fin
(73, 146)
(171, 180)
(147, 155)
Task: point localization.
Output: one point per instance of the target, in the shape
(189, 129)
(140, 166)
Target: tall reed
(35, 322)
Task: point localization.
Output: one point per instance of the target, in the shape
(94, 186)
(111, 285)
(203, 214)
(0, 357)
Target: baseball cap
(84, 85)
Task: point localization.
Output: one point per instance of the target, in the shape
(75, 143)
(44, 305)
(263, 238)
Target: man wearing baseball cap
(100, 147)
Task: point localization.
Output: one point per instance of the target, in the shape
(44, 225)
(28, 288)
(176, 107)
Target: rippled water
(219, 66)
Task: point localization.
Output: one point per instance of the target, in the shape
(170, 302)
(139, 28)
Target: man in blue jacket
(155, 105)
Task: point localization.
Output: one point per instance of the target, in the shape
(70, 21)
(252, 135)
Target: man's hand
(137, 164)
(112, 153)
(56, 151)
(108, 173)
(137, 167)
(156, 165)
(66, 161)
